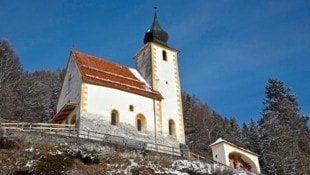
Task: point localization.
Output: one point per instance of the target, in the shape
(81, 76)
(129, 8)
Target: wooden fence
(42, 127)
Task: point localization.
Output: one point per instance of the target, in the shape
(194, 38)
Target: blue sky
(229, 49)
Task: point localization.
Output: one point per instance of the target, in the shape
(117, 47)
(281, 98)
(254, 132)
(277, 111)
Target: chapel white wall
(253, 158)
(219, 154)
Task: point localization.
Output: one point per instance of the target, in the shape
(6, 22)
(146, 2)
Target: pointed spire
(156, 33)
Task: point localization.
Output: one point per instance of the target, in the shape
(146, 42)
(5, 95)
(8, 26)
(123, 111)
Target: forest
(281, 137)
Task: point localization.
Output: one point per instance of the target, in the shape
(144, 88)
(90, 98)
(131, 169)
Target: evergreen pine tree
(250, 136)
(282, 130)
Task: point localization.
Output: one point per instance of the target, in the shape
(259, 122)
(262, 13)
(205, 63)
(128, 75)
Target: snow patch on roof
(110, 73)
(139, 76)
(115, 82)
(220, 140)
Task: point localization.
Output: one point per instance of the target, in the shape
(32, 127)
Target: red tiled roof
(105, 73)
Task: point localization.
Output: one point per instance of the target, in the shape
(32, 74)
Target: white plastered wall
(71, 88)
(218, 153)
(99, 102)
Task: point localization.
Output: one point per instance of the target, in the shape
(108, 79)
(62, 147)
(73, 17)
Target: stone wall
(96, 123)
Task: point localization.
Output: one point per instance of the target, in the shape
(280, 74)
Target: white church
(142, 103)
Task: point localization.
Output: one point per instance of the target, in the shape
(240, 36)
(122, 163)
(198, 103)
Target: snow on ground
(186, 167)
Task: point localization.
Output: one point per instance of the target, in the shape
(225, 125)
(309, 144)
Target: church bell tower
(158, 64)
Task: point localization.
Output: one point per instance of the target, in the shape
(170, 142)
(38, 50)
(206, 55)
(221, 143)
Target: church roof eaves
(101, 72)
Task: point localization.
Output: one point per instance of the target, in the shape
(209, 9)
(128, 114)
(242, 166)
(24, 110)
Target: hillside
(281, 137)
(40, 153)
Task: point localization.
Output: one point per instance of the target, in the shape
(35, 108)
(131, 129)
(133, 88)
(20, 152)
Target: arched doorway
(241, 161)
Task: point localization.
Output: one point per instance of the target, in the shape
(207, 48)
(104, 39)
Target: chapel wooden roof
(64, 112)
(101, 72)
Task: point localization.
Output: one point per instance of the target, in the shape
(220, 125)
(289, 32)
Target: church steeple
(157, 63)
(156, 33)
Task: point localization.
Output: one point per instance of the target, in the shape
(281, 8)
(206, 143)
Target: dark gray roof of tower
(156, 33)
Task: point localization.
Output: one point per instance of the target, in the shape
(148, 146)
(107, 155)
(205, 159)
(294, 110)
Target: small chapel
(142, 103)
(234, 156)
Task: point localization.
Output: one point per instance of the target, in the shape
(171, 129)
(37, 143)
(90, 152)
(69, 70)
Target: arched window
(171, 127)
(140, 122)
(114, 118)
(164, 55)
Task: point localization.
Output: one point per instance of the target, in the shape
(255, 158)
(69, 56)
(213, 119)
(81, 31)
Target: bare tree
(38, 96)
(10, 76)
(203, 125)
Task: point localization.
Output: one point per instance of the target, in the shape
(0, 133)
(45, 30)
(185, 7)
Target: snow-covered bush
(85, 155)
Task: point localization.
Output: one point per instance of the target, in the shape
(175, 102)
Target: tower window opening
(164, 55)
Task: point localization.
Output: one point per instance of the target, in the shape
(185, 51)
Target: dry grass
(142, 171)
(52, 165)
(9, 143)
(37, 155)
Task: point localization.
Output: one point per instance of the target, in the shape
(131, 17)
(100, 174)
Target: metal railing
(194, 156)
(133, 143)
(70, 130)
